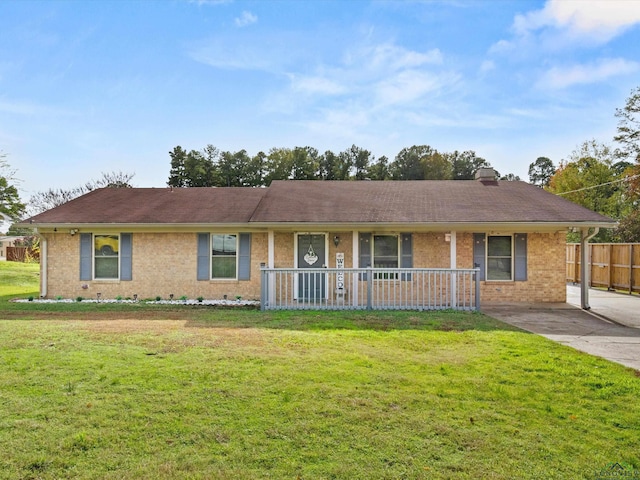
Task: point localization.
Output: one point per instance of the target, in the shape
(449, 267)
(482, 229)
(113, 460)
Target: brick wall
(165, 263)
(431, 250)
(545, 271)
(162, 263)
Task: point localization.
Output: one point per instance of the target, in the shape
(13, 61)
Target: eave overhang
(520, 227)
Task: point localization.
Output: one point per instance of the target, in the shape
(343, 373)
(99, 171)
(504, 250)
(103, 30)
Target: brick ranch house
(217, 242)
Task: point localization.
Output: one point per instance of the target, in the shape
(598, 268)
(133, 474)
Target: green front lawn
(148, 392)
(19, 279)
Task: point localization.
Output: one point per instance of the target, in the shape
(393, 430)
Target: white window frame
(373, 248)
(512, 257)
(212, 256)
(390, 276)
(94, 256)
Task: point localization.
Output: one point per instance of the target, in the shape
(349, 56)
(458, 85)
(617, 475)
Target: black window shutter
(244, 257)
(479, 250)
(126, 249)
(520, 249)
(86, 251)
(204, 257)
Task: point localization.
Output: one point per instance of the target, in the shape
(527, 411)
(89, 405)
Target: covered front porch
(369, 289)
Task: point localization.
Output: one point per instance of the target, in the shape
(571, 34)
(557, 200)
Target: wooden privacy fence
(615, 266)
(22, 254)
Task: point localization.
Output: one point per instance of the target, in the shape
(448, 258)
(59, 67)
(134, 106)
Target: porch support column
(453, 266)
(271, 247)
(271, 262)
(355, 263)
(585, 266)
(453, 251)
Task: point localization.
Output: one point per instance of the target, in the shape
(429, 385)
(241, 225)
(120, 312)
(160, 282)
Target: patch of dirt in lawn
(166, 330)
(142, 315)
(131, 325)
(168, 335)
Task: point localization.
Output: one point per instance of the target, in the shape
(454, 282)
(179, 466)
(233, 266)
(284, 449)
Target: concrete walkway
(611, 329)
(621, 308)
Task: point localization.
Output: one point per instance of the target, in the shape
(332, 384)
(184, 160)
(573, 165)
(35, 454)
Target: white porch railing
(369, 289)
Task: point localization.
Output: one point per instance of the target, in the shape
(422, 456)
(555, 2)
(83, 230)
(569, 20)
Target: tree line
(599, 176)
(211, 167)
(602, 177)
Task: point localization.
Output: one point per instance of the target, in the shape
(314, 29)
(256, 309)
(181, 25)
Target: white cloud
(563, 77)
(396, 58)
(597, 19)
(341, 122)
(28, 108)
(486, 66)
(210, 2)
(502, 46)
(247, 18)
(316, 85)
(566, 24)
(409, 86)
(216, 55)
(241, 49)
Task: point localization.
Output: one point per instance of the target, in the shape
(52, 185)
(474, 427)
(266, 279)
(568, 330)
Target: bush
(628, 230)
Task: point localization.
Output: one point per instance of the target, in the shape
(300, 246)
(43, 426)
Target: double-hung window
(224, 248)
(500, 257)
(385, 255)
(385, 251)
(106, 251)
(106, 256)
(223, 256)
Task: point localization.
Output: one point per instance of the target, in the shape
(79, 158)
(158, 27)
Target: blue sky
(99, 86)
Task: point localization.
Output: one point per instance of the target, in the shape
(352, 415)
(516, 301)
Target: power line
(625, 179)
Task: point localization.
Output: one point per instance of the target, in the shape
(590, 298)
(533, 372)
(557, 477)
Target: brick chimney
(486, 174)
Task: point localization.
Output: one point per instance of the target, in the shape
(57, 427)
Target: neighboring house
(8, 241)
(213, 242)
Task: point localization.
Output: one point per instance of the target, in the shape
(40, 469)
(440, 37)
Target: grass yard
(125, 392)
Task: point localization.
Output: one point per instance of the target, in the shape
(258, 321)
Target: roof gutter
(526, 226)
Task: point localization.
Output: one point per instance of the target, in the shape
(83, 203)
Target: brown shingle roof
(157, 206)
(438, 201)
(325, 202)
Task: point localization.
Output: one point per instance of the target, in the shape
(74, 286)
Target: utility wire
(625, 179)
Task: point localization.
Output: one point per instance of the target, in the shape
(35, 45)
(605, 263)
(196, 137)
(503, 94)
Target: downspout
(585, 262)
(43, 264)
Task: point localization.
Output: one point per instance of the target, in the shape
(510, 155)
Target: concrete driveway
(611, 329)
